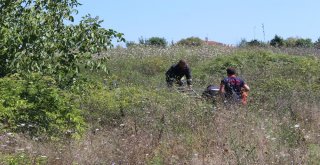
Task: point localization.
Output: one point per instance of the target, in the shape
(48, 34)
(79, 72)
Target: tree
(277, 41)
(191, 41)
(142, 41)
(298, 42)
(157, 41)
(305, 43)
(317, 44)
(34, 37)
(243, 43)
(130, 44)
(290, 42)
(256, 43)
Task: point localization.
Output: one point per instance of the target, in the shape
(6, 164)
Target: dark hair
(183, 62)
(231, 71)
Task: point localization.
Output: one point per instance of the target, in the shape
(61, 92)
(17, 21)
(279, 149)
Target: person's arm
(246, 88)
(169, 71)
(221, 89)
(189, 77)
(170, 74)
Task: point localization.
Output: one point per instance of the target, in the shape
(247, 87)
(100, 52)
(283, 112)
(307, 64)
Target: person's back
(233, 88)
(177, 71)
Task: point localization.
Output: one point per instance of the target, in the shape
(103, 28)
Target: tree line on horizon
(277, 41)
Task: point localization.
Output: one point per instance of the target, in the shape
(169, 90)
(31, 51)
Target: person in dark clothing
(233, 88)
(176, 72)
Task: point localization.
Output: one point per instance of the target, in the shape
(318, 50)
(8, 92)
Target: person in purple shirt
(176, 72)
(233, 88)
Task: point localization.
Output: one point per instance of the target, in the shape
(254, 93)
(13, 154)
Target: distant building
(214, 43)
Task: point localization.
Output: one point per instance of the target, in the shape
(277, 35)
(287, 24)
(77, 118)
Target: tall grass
(134, 119)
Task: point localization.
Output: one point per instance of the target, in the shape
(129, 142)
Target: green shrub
(289, 135)
(152, 66)
(277, 41)
(256, 43)
(22, 158)
(313, 154)
(317, 44)
(157, 41)
(37, 107)
(305, 43)
(55, 47)
(290, 42)
(191, 41)
(298, 42)
(108, 106)
(131, 44)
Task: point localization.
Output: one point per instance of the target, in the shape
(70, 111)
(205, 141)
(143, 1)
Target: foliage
(109, 105)
(134, 119)
(255, 66)
(152, 66)
(35, 106)
(130, 44)
(23, 158)
(314, 156)
(243, 43)
(317, 44)
(298, 42)
(256, 43)
(191, 41)
(290, 42)
(277, 41)
(304, 43)
(156, 41)
(34, 37)
(142, 41)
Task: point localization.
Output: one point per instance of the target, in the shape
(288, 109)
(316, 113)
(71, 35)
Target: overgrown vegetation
(118, 110)
(132, 118)
(191, 41)
(153, 41)
(278, 41)
(34, 37)
(36, 107)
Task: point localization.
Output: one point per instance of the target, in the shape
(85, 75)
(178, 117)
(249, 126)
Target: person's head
(182, 63)
(231, 71)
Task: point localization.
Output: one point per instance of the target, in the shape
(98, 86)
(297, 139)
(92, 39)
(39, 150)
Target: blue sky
(226, 21)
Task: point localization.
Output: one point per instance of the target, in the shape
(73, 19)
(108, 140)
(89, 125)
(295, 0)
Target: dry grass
(221, 137)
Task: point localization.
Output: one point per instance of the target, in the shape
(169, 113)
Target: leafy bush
(156, 41)
(38, 39)
(36, 106)
(131, 44)
(304, 43)
(110, 105)
(191, 41)
(152, 66)
(243, 43)
(23, 158)
(298, 42)
(317, 44)
(256, 43)
(277, 41)
(290, 42)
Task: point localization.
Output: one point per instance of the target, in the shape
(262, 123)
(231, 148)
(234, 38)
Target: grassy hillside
(132, 118)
